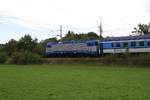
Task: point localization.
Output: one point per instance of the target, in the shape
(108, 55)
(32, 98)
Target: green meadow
(74, 82)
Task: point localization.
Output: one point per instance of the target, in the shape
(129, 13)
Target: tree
(92, 36)
(11, 46)
(27, 43)
(2, 47)
(82, 36)
(54, 39)
(3, 56)
(24, 51)
(142, 29)
(70, 36)
(3, 53)
(39, 48)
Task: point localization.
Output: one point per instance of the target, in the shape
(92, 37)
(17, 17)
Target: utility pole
(60, 31)
(100, 28)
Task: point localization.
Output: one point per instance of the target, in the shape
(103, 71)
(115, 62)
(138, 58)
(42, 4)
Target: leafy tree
(54, 39)
(92, 36)
(27, 43)
(11, 46)
(142, 29)
(70, 36)
(39, 49)
(83, 36)
(24, 51)
(3, 57)
(2, 47)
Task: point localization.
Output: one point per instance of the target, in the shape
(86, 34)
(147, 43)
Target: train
(109, 45)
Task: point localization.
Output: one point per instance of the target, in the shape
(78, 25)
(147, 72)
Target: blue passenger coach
(130, 44)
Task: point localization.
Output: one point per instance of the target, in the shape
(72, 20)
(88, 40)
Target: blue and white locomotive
(72, 48)
(128, 44)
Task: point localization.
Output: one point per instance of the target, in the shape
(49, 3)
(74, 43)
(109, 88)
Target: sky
(42, 18)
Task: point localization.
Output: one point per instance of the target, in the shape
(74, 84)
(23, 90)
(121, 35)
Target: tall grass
(109, 59)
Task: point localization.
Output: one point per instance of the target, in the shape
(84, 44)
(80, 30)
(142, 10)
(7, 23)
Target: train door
(101, 48)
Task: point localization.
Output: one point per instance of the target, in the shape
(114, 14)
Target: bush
(142, 59)
(25, 58)
(3, 57)
(126, 59)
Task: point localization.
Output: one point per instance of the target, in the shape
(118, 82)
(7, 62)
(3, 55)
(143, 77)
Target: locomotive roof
(70, 42)
(147, 36)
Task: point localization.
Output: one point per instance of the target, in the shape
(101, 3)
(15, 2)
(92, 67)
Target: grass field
(73, 82)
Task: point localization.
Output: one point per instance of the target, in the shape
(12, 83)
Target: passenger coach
(130, 44)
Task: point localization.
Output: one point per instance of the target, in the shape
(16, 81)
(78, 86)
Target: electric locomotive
(73, 48)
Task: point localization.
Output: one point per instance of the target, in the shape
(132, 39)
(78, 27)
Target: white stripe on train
(130, 50)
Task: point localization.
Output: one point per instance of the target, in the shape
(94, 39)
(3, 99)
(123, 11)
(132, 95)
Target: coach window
(125, 44)
(133, 44)
(96, 43)
(141, 43)
(118, 45)
(148, 43)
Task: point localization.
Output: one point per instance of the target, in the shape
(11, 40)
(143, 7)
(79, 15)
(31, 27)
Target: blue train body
(130, 44)
(72, 48)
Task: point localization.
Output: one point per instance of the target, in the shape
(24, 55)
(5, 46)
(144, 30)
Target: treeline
(82, 36)
(29, 51)
(75, 36)
(24, 51)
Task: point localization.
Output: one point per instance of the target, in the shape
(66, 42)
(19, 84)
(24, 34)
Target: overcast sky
(41, 18)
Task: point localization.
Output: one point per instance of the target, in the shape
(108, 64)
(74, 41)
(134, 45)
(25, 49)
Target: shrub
(3, 57)
(25, 58)
(126, 59)
(142, 59)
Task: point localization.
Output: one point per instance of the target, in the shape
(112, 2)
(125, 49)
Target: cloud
(119, 16)
(7, 19)
(147, 6)
(22, 22)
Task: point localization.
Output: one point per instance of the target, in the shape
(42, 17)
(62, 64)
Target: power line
(59, 30)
